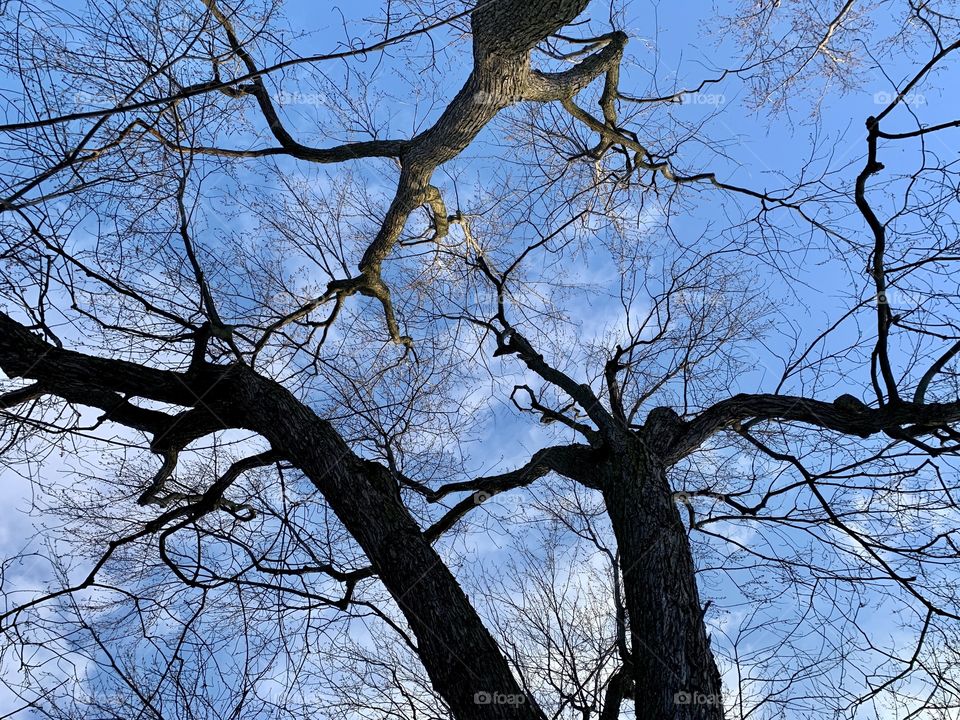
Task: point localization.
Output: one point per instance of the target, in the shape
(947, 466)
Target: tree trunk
(464, 662)
(675, 676)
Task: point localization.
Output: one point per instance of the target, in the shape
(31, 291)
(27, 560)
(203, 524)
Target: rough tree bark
(673, 670)
(670, 671)
(504, 33)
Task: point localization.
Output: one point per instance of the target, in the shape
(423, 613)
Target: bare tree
(309, 360)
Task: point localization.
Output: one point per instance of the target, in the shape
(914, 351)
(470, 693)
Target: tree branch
(900, 419)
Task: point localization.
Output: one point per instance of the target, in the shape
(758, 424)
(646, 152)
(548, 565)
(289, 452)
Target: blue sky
(759, 148)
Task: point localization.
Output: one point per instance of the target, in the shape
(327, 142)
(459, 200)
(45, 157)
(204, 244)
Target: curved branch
(846, 415)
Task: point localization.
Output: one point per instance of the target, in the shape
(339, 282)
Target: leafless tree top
(456, 360)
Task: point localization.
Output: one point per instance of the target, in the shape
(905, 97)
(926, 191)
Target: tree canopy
(509, 359)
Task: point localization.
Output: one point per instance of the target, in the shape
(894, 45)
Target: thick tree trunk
(462, 659)
(675, 676)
